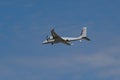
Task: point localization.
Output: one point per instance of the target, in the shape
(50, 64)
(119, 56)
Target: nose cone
(45, 42)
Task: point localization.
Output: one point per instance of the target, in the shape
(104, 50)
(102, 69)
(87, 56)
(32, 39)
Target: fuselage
(68, 39)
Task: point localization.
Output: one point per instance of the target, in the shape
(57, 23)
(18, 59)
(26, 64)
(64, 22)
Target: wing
(55, 36)
(58, 38)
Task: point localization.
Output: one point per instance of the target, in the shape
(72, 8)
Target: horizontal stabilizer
(86, 38)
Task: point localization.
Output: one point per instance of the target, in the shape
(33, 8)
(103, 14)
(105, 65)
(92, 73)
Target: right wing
(58, 38)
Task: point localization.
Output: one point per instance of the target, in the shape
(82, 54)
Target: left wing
(58, 38)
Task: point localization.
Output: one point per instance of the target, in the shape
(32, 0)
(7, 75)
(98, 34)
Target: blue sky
(24, 24)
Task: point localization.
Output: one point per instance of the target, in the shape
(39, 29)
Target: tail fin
(84, 34)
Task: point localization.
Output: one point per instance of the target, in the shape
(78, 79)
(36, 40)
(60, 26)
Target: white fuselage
(68, 39)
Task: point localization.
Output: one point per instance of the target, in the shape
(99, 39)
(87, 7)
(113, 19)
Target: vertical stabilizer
(84, 32)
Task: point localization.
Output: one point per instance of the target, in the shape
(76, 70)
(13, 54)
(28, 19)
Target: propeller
(47, 37)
